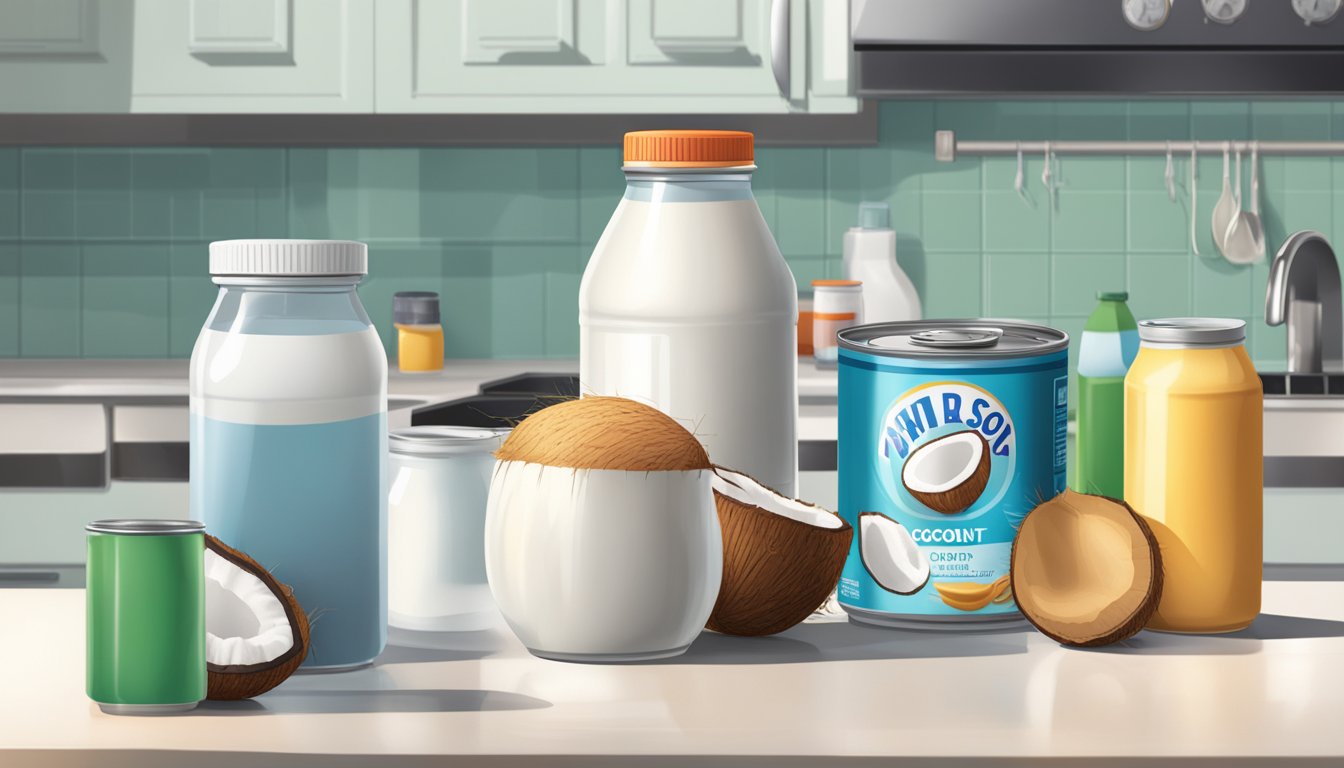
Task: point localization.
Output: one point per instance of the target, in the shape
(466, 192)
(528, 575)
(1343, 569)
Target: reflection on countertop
(828, 692)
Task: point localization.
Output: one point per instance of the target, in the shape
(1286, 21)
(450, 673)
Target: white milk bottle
(688, 306)
(289, 433)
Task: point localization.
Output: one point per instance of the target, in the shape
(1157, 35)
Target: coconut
(948, 474)
(1086, 570)
(781, 557)
(601, 540)
(890, 555)
(256, 634)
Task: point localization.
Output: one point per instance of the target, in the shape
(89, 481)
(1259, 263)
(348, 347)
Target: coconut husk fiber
(604, 433)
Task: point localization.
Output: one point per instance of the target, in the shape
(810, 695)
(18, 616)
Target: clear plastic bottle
(1108, 346)
(688, 306)
(870, 257)
(288, 391)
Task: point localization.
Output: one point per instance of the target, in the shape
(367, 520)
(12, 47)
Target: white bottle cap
(289, 257)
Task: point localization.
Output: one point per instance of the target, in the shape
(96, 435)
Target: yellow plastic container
(415, 314)
(1193, 468)
(419, 347)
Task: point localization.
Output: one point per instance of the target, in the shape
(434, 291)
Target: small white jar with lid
(440, 481)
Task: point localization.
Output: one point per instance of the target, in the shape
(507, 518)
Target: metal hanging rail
(946, 147)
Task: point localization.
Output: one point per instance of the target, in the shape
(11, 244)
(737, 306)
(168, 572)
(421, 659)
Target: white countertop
(168, 378)
(831, 690)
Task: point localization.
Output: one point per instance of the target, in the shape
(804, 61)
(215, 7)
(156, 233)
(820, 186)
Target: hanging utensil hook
(1019, 182)
(1194, 195)
(1170, 175)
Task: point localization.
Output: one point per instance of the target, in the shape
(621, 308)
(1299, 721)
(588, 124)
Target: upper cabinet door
(65, 55)
(495, 56)
(253, 56)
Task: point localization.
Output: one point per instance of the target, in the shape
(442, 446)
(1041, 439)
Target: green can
(146, 616)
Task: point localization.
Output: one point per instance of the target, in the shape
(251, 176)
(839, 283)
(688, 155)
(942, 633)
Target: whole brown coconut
(1086, 570)
(229, 682)
(781, 557)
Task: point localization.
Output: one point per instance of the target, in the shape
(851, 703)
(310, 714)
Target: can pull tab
(956, 338)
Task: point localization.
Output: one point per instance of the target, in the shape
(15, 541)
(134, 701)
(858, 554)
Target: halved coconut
(256, 634)
(1086, 570)
(890, 555)
(781, 557)
(948, 474)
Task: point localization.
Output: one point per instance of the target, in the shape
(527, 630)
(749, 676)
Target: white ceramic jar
(440, 479)
(688, 306)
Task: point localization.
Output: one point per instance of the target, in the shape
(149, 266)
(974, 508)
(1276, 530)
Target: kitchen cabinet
(587, 56)
(65, 55)
(252, 56)
(425, 56)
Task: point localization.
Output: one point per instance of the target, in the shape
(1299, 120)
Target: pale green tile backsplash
(103, 251)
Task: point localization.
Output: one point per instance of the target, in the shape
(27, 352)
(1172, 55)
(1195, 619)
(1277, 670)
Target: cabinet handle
(779, 44)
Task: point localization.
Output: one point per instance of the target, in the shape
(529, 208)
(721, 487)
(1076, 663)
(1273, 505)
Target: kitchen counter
(821, 694)
(120, 379)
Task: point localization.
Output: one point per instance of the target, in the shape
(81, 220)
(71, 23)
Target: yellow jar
(1193, 468)
(419, 330)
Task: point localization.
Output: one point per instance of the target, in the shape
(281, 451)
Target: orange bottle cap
(836, 283)
(688, 149)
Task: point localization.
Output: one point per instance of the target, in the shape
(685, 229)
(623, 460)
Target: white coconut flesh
(245, 623)
(944, 464)
(745, 490)
(890, 554)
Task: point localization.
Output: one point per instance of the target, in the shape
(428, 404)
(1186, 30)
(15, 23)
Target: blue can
(950, 432)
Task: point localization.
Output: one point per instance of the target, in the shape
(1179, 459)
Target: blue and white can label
(950, 432)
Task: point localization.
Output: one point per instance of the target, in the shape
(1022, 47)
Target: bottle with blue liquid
(1108, 347)
(289, 433)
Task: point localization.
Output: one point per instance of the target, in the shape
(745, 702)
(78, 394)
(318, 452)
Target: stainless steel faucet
(1304, 293)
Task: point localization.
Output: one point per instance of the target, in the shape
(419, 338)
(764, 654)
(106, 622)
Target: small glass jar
(419, 331)
(836, 305)
(436, 527)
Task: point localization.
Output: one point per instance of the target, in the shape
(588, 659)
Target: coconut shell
(604, 433)
(960, 498)
(1116, 619)
(229, 682)
(776, 570)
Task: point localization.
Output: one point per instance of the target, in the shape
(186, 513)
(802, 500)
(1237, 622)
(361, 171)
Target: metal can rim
(146, 527)
(435, 440)
(857, 338)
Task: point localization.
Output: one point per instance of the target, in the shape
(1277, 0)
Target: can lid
(954, 339)
(415, 308)
(442, 440)
(289, 258)
(1113, 295)
(145, 527)
(1185, 332)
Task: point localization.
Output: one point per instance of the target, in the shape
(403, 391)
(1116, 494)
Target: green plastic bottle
(1110, 342)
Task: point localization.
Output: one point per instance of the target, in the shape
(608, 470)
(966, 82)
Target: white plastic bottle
(688, 306)
(870, 257)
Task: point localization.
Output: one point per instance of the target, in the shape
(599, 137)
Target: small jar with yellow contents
(419, 331)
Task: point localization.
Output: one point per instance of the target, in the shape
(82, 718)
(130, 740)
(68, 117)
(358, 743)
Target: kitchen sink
(1304, 430)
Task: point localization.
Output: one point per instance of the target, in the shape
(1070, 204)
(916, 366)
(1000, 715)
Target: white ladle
(1245, 240)
(1227, 208)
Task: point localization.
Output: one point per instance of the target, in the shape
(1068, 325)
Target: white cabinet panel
(65, 55)
(239, 27)
(253, 56)
(583, 56)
